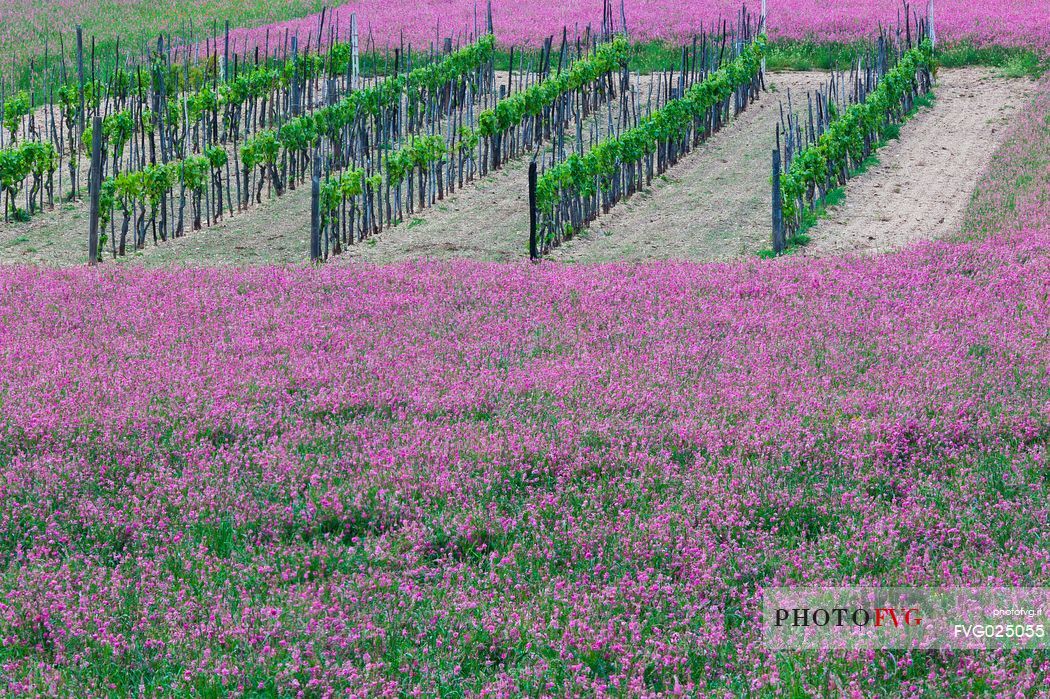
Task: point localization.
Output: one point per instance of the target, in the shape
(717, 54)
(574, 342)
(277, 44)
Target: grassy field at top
(29, 24)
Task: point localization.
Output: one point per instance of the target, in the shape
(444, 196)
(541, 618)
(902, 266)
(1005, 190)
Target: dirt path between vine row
(924, 181)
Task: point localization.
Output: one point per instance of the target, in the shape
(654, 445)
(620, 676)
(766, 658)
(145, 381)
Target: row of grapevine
(573, 191)
(181, 105)
(395, 107)
(358, 198)
(531, 110)
(846, 123)
(212, 179)
(157, 110)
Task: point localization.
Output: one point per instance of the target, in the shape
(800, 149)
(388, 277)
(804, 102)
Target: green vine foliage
(468, 139)
(15, 108)
(173, 119)
(420, 152)
(584, 175)
(204, 102)
(148, 187)
(106, 200)
(19, 162)
(193, 172)
(69, 103)
(531, 102)
(40, 156)
(13, 170)
(347, 185)
(141, 187)
(157, 180)
(302, 132)
(131, 189)
(120, 83)
(431, 77)
(117, 128)
(93, 93)
(88, 137)
(264, 149)
(250, 82)
(217, 156)
(844, 139)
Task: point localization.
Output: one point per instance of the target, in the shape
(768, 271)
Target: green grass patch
(793, 245)
(785, 54)
(869, 162)
(922, 102)
(1014, 62)
(834, 198)
(813, 55)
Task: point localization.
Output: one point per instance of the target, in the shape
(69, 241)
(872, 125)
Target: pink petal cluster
(511, 480)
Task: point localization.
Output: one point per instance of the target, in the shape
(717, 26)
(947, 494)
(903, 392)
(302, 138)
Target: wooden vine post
(94, 188)
(226, 55)
(355, 79)
(778, 206)
(534, 250)
(762, 30)
(315, 211)
(80, 80)
(933, 33)
(294, 87)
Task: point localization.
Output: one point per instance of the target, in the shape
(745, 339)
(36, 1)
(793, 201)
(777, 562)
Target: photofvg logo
(841, 616)
(901, 618)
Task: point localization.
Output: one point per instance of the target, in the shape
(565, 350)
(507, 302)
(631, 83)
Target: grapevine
(843, 141)
(582, 175)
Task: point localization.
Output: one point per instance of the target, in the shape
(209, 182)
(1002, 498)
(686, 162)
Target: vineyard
(506, 349)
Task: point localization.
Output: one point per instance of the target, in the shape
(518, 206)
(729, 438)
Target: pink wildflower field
(467, 479)
(1024, 23)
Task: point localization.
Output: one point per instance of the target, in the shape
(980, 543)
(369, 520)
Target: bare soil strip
(714, 205)
(923, 182)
